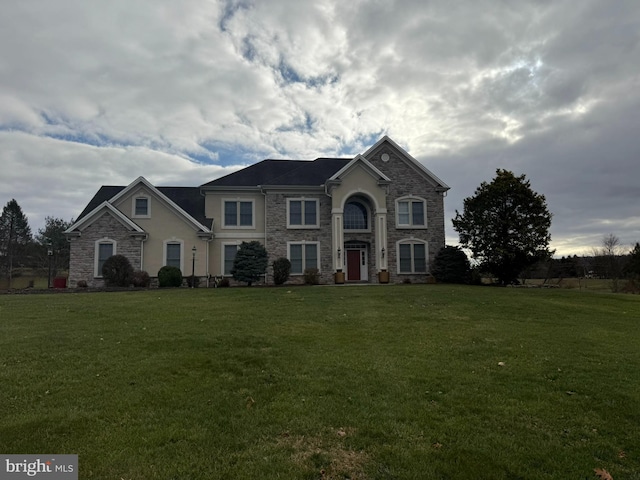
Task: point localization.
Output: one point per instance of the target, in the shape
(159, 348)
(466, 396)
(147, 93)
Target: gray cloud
(95, 94)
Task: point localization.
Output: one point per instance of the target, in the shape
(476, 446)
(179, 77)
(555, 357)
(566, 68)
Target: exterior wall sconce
(193, 265)
(339, 252)
(382, 252)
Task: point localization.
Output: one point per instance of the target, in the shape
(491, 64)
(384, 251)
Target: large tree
(15, 236)
(250, 263)
(505, 224)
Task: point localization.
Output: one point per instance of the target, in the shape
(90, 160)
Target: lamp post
(50, 255)
(193, 266)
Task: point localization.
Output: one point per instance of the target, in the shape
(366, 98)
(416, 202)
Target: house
(351, 218)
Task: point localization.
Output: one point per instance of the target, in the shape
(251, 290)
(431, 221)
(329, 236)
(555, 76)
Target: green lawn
(376, 382)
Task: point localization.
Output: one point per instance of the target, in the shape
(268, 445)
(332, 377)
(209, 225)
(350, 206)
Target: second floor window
(355, 216)
(142, 207)
(238, 213)
(411, 213)
(303, 213)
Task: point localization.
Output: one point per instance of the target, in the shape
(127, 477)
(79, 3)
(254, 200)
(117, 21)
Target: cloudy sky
(182, 92)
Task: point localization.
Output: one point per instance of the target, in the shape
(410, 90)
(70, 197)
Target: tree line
(45, 253)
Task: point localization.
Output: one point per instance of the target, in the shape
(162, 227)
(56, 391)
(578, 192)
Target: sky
(100, 93)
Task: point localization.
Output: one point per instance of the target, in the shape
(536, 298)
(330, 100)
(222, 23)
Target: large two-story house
(351, 218)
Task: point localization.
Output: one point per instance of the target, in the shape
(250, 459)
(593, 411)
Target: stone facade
(83, 248)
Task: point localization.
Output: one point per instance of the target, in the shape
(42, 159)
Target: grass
(378, 382)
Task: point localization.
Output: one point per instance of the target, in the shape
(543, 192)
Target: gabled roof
(98, 211)
(282, 172)
(188, 199)
(419, 166)
(381, 177)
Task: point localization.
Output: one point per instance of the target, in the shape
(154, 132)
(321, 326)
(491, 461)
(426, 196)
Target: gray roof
(283, 172)
(187, 198)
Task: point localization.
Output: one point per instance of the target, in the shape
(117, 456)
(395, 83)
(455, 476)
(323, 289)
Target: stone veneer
(83, 248)
(405, 180)
(278, 234)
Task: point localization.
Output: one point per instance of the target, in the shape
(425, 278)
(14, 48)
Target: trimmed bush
(117, 271)
(224, 283)
(141, 279)
(169, 277)
(281, 270)
(451, 265)
(311, 276)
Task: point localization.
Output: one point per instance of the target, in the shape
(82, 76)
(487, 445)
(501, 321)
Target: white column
(381, 241)
(337, 235)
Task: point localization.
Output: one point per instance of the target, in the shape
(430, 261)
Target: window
(355, 216)
(141, 207)
(173, 256)
(229, 252)
(303, 255)
(104, 249)
(238, 213)
(411, 212)
(302, 213)
(412, 257)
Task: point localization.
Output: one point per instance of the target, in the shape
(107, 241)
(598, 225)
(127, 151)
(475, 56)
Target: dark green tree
(281, 270)
(250, 263)
(505, 224)
(117, 271)
(54, 244)
(15, 237)
(451, 265)
(632, 268)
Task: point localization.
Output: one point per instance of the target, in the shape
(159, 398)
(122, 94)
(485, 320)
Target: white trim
(160, 195)
(223, 258)
(424, 170)
(304, 260)
(303, 225)
(237, 226)
(173, 241)
(410, 199)
(102, 241)
(366, 206)
(412, 241)
(134, 200)
(372, 170)
(91, 216)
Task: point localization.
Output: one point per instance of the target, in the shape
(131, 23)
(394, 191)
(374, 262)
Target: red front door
(353, 265)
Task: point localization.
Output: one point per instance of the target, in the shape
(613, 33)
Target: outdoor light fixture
(339, 252)
(382, 252)
(50, 255)
(193, 266)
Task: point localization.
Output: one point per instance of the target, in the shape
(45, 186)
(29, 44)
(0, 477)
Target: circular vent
(385, 157)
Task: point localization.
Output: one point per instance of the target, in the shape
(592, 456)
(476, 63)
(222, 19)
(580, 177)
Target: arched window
(356, 216)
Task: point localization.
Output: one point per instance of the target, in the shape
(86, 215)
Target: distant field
(375, 382)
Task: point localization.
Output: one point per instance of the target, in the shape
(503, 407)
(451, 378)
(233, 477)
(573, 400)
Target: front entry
(353, 265)
(356, 262)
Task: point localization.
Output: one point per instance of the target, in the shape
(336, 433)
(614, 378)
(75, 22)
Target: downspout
(264, 194)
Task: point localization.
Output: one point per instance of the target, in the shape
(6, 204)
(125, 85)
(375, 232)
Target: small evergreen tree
(281, 270)
(117, 271)
(250, 263)
(15, 237)
(451, 265)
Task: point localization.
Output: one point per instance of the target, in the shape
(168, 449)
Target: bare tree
(608, 258)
